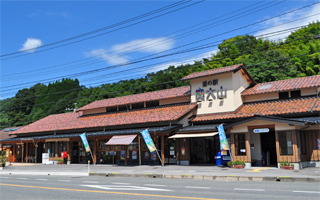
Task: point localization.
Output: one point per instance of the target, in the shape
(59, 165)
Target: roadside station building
(266, 123)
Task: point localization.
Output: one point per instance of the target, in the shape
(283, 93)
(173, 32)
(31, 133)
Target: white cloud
(148, 45)
(111, 59)
(31, 45)
(184, 61)
(289, 17)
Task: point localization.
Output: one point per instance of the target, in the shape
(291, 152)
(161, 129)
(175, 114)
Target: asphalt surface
(82, 169)
(87, 187)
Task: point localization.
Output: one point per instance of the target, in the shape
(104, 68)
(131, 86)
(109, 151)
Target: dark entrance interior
(203, 150)
(268, 147)
(41, 149)
(75, 152)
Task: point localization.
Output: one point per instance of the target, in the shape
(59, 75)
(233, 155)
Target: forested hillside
(282, 60)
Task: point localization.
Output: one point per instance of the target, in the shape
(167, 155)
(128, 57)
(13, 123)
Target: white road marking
(22, 178)
(198, 187)
(42, 179)
(90, 182)
(155, 185)
(64, 180)
(122, 183)
(4, 177)
(308, 192)
(249, 189)
(125, 187)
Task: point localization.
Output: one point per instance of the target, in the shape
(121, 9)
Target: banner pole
(159, 157)
(139, 152)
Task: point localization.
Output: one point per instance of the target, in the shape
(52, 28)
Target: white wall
(234, 83)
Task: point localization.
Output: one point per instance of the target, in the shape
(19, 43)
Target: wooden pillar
(162, 148)
(95, 151)
(125, 154)
(22, 145)
(27, 151)
(36, 153)
(57, 150)
(68, 151)
(14, 153)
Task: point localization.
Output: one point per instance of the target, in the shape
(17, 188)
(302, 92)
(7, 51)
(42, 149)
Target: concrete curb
(214, 178)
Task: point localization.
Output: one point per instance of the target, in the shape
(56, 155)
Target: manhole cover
(76, 177)
(224, 169)
(155, 167)
(295, 171)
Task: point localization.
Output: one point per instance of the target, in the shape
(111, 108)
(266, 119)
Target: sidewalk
(311, 174)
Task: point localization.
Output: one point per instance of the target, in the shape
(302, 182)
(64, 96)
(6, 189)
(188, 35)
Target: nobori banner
(223, 140)
(85, 142)
(147, 139)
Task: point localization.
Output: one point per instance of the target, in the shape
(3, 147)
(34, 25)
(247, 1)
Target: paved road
(73, 187)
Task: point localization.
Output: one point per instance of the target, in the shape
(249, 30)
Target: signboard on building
(261, 130)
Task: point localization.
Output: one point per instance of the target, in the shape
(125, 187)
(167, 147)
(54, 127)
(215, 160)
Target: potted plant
(229, 163)
(238, 164)
(60, 162)
(286, 165)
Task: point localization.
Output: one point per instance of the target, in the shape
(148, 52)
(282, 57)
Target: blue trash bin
(218, 158)
(225, 158)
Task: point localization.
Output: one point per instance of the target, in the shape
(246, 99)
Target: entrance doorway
(268, 148)
(203, 149)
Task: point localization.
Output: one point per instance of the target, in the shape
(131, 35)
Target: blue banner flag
(85, 142)
(147, 139)
(223, 140)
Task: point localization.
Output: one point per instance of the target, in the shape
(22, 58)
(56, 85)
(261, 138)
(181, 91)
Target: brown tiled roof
(68, 121)
(159, 114)
(136, 98)
(266, 108)
(212, 72)
(284, 85)
(49, 123)
(4, 133)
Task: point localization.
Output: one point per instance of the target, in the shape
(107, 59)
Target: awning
(121, 140)
(8, 145)
(193, 135)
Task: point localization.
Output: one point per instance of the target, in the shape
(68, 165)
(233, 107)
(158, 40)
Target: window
(152, 104)
(123, 107)
(138, 105)
(303, 143)
(285, 141)
(118, 147)
(51, 149)
(62, 146)
(134, 144)
(283, 95)
(295, 94)
(102, 145)
(112, 109)
(240, 144)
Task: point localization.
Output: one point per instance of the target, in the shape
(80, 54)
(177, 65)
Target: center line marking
(64, 180)
(198, 187)
(155, 185)
(22, 178)
(90, 182)
(249, 189)
(42, 179)
(4, 177)
(308, 192)
(122, 183)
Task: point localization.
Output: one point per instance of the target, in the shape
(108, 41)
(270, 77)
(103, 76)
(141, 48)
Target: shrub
(285, 163)
(239, 162)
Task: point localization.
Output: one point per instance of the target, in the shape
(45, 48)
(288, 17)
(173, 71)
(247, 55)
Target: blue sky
(27, 26)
